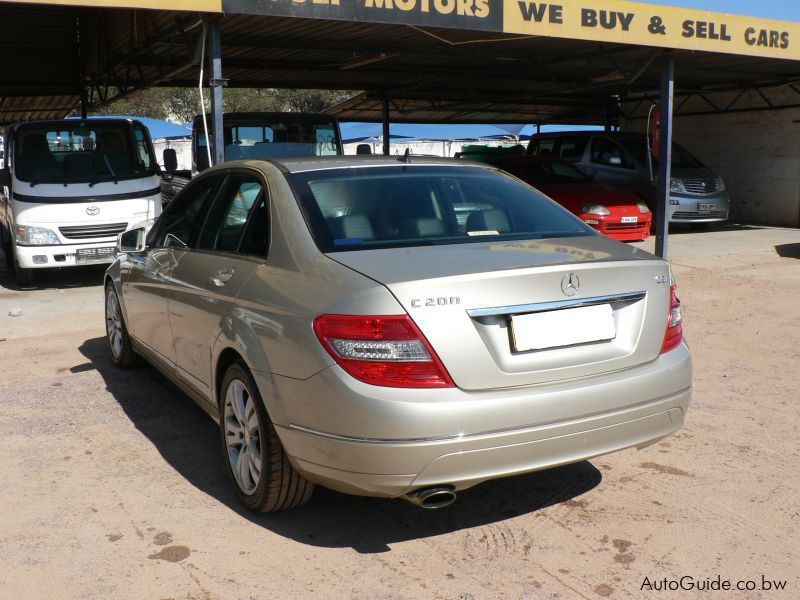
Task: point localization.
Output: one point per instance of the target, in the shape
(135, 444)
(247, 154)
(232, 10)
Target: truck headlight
(676, 185)
(26, 235)
(595, 209)
(721, 184)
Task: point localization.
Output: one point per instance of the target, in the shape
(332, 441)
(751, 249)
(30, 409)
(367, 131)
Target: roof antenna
(406, 158)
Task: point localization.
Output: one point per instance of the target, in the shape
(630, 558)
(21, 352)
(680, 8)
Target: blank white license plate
(706, 207)
(556, 328)
(630, 219)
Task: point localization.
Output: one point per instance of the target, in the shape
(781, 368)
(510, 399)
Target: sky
(785, 10)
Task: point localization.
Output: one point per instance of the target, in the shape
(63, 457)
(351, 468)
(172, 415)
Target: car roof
(611, 134)
(319, 163)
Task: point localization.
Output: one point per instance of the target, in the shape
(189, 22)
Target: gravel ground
(113, 484)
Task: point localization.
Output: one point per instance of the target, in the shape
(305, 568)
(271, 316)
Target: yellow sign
(190, 5)
(624, 22)
(610, 21)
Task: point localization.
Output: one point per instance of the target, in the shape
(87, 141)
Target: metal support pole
(216, 84)
(386, 136)
(664, 155)
(84, 104)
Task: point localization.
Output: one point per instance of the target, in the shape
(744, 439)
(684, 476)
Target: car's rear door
(228, 248)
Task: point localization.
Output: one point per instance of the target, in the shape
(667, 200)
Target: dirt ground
(113, 484)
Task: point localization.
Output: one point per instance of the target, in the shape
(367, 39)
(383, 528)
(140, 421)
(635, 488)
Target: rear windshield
(395, 207)
(83, 152)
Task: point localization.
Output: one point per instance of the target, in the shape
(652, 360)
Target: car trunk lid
(474, 302)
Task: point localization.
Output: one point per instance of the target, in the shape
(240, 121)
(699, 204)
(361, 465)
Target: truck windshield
(258, 139)
(83, 152)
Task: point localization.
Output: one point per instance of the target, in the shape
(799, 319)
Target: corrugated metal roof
(430, 74)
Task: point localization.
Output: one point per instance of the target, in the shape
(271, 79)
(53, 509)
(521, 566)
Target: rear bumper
(457, 440)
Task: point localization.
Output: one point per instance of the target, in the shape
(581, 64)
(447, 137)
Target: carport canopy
(459, 61)
(467, 61)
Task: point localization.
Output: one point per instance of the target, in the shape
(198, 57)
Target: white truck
(70, 187)
(254, 135)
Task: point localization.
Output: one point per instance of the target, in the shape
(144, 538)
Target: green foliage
(182, 104)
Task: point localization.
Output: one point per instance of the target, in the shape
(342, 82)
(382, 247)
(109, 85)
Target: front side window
(82, 152)
(174, 228)
(382, 207)
(571, 148)
(609, 153)
(143, 145)
(552, 172)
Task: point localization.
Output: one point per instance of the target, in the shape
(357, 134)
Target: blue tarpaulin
(357, 132)
(159, 130)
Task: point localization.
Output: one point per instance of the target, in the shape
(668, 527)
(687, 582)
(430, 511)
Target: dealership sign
(600, 20)
(616, 21)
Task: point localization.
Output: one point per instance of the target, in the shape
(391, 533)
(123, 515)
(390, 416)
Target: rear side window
(227, 217)
(383, 207)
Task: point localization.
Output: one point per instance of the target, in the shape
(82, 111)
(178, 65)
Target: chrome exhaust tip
(432, 498)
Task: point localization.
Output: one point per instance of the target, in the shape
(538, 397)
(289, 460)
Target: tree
(182, 104)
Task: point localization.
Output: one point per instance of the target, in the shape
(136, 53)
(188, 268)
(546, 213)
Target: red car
(615, 212)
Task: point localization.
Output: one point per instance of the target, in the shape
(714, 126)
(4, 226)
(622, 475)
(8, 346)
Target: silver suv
(697, 194)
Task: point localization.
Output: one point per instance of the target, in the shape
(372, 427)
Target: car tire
(117, 337)
(23, 277)
(256, 462)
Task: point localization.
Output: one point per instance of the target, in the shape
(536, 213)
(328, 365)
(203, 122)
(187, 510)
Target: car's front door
(230, 247)
(148, 285)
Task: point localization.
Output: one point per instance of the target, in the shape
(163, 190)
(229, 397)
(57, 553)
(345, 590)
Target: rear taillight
(674, 334)
(389, 351)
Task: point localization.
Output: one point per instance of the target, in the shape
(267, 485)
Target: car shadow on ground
(788, 250)
(59, 279)
(189, 441)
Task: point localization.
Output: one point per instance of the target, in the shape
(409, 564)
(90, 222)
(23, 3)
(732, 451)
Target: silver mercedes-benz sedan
(397, 327)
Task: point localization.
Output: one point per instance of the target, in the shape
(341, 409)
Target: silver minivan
(697, 194)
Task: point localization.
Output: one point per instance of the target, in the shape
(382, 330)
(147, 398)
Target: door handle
(220, 278)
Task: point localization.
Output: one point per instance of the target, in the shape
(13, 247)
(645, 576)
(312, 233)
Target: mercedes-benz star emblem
(92, 211)
(570, 284)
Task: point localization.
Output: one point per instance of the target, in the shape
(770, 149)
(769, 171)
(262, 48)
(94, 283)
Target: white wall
(183, 150)
(758, 156)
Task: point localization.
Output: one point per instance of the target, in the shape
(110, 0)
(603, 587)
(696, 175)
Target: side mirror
(5, 178)
(132, 240)
(170, 160)
(363, 149)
